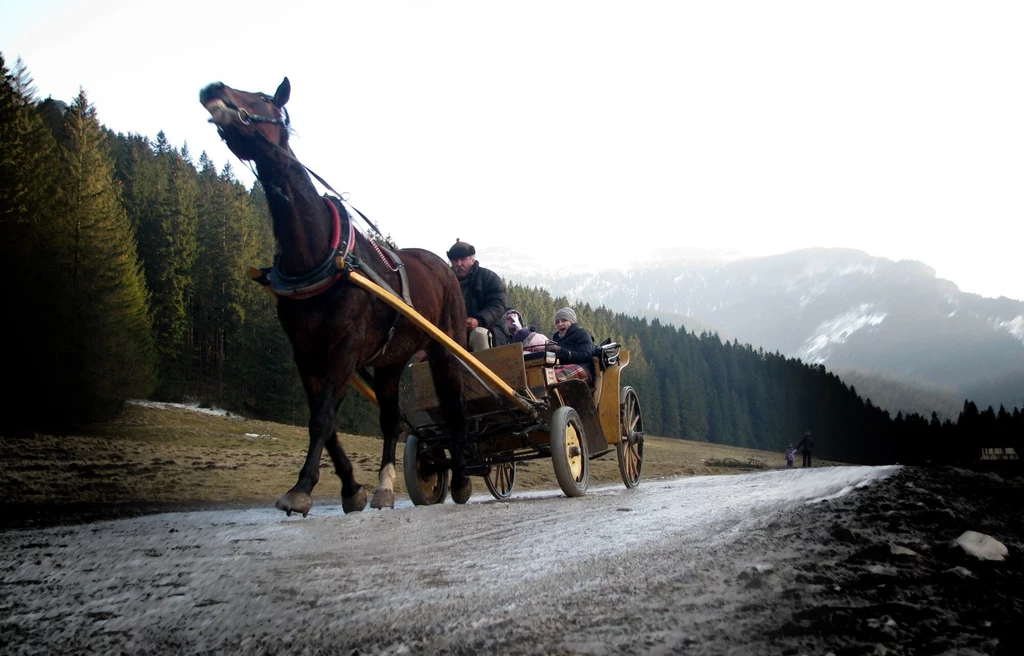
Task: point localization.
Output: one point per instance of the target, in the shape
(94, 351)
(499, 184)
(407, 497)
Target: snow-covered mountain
(837, 307)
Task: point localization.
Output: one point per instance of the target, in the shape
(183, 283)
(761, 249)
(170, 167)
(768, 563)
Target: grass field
(176, 455)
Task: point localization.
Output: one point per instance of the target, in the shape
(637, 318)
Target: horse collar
(327, 272)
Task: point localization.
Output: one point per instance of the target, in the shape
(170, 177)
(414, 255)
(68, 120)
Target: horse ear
(282, 93)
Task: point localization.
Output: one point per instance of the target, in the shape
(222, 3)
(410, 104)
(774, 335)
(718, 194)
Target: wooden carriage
(570, 422)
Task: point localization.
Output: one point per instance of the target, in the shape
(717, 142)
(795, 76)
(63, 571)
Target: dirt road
(695, 565)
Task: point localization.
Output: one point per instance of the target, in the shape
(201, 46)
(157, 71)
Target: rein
(341, 257)
(247, 118)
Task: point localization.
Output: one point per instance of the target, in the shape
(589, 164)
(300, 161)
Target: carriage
(570, 422)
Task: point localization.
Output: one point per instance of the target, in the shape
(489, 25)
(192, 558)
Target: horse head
(252, 124)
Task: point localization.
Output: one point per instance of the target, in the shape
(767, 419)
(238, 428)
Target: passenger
(531, 339)
(513, 321)
(485, 295)
(574, 348)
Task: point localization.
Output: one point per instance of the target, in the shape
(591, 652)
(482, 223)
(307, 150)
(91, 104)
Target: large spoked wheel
(569, 452)
(426, 474)
(501, 479)
(630, 448)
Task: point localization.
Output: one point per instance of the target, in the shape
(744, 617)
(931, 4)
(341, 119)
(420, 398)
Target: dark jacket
(577, 347)
(486, 301)
(805, 445)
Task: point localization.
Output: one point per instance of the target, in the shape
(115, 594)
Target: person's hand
(472, 323)
(552, 347)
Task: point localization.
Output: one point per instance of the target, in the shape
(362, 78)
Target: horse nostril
(207, 93)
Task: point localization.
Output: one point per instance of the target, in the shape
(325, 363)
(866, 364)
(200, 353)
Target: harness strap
(403, 283)
(326, 273)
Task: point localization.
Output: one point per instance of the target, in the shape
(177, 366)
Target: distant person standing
(790, 456)
(804, 446)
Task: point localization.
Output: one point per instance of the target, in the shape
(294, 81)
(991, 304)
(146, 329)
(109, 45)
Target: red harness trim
(322, 285)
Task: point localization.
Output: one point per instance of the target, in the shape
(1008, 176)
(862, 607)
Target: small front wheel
(569, 452)
(501, 479)
(426, 472)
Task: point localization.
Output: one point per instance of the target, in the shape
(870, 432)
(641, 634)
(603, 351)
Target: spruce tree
(109, 332)
(28, 187)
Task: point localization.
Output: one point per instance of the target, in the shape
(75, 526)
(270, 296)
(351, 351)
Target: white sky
(753, 127)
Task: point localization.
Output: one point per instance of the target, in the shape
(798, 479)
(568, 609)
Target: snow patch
(1014, 326)
(816, 290)
(194, 407)
(818, 348)
(866, 269)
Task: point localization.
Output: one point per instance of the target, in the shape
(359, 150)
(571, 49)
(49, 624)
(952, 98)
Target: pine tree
(109, 329)
(28, 187)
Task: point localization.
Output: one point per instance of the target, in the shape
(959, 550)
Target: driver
(485, 295)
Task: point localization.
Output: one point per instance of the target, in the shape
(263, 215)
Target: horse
(335, 328)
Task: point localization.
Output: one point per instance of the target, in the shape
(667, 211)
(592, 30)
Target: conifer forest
(125, 260)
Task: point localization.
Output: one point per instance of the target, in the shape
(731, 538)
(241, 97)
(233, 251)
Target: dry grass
(177, 455)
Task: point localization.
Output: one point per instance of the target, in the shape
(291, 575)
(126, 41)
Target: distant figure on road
(804, 446)
(790, 455)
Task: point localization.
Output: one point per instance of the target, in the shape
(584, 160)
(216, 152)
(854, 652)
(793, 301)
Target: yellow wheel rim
(574, 452)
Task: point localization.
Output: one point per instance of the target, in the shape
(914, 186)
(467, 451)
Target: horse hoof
(295, 502)
(462, 493)
(383, 499)
(354, 503)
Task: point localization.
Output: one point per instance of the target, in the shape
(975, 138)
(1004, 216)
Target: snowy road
(618, 570)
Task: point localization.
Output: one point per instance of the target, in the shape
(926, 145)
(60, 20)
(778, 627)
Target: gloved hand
(552, 347)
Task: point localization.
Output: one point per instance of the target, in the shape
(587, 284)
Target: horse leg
(385, 386)
(321, 431)
(447, 378)
(353, 496)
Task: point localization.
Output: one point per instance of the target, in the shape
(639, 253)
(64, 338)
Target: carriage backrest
(505, 361)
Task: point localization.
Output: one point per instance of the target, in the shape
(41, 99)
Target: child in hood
(790, 456)
(531, 339)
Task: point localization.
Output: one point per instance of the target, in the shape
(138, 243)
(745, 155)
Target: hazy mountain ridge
(837, 307)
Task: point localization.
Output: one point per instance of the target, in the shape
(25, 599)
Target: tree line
(125, 263)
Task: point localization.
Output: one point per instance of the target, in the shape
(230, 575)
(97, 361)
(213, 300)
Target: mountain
(841, 308)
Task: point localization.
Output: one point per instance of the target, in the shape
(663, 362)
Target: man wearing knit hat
(486, 298)
(575, 348)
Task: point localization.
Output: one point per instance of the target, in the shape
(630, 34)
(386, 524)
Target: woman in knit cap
(574, 348)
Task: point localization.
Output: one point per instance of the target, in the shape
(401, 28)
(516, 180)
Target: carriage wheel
(424, 489)
(630, 448)
(569, 452)
(501, 479)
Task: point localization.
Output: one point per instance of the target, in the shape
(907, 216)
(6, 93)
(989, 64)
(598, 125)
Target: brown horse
(341, 329)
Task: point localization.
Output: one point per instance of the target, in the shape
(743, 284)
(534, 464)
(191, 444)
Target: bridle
(245, 117)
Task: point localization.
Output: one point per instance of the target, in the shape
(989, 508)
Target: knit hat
(521, 335)
(460, 249)
(566, 313)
